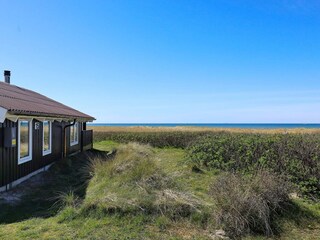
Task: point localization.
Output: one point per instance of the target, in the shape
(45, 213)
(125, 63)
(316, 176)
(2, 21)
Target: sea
(213, 125)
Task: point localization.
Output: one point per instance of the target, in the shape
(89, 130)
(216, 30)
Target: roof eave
(51, 116)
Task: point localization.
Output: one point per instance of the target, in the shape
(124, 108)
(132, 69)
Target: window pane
(46, 136)
(74, 134)
(24, 139)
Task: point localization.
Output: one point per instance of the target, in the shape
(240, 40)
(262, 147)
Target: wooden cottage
(36, 131)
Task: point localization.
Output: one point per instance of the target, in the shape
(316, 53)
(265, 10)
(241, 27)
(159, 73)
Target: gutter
(64, 138)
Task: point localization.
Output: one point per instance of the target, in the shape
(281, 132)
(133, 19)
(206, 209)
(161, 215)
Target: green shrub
(178, 139)
(295, 155)
(248, 204)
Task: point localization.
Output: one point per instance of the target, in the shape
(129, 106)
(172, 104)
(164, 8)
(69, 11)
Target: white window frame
(75, 141)
(27, 158)
(49, 151)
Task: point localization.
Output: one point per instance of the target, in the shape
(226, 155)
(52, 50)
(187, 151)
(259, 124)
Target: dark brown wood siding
(87, 140)
(10, 170)
(8, 156)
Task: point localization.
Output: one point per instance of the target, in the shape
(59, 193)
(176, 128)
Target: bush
(295, 155)
(248, 204)
(178, 139)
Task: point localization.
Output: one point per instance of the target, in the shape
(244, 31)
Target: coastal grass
(75, 202)
(69, 207)
(182, 137)
(249, 204)
(139, 129)
(293, 152)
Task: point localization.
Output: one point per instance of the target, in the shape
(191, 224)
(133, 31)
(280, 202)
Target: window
(24, 141)
(46, 137)
(74, 134)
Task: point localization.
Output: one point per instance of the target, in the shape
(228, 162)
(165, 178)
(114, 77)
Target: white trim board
(30, 146)
(49, 151)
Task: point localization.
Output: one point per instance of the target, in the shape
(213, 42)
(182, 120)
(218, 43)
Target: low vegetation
(143, 129)
(177, 139)
(180, 137)
(133, 182)
(295, 153)
(249, 204)
(295, 156)
(137, 191)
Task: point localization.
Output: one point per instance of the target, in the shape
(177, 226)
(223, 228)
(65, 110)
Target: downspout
(64, 153)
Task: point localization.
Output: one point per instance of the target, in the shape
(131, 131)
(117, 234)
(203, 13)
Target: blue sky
(169, 61)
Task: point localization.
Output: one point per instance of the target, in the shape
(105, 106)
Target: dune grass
(62, 207)
(74, 203)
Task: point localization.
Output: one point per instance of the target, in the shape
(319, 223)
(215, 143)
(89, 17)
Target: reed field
(138, 129)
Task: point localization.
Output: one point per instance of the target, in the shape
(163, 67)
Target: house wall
(7, 157)
(10, 170)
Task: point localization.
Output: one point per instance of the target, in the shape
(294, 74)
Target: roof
(21, 101)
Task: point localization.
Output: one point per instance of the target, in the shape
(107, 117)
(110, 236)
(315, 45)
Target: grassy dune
(70, 205)
(144, 193)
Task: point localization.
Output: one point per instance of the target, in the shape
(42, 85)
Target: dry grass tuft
(248, 204)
